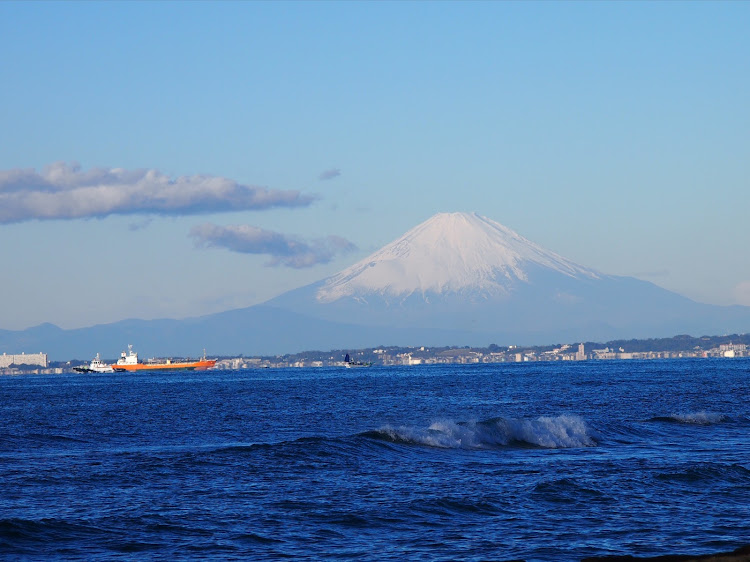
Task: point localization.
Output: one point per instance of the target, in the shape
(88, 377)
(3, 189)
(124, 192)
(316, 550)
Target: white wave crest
(699, 418)
(562, 431)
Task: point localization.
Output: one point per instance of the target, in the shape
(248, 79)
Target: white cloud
(63, 191)
(329, 174)
(284, 250)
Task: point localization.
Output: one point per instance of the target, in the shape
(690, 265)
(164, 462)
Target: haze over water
(538, 462)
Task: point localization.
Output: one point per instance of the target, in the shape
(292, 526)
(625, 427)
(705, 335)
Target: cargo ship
(129, 362)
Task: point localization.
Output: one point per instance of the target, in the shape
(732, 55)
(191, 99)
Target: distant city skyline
(179, 159)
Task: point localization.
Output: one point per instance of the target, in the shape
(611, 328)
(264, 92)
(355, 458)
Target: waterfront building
(23, 359)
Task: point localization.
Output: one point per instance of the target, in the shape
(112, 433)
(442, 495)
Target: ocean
(536, 461)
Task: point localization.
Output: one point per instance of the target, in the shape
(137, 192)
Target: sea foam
(562, 431)
(694, 418)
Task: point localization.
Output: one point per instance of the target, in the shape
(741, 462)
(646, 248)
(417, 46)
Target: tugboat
(96, 366)
(349, 363)
(129, 362)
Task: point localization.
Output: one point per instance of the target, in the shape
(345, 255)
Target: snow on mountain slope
(448, 253)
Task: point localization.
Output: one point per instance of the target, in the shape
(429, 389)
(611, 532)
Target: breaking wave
(693, 418)
(564, 431)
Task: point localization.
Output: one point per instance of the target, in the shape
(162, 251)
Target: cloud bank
(284, 250)
(63, 191)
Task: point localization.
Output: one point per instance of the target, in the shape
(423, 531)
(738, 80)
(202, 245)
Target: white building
(23, 359)
(733, 349)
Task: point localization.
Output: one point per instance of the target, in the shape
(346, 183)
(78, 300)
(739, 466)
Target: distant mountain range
(456, 279)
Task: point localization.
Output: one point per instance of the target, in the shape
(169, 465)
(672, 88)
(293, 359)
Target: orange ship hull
(201, 365)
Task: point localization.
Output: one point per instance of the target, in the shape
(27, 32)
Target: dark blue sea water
(541, 461)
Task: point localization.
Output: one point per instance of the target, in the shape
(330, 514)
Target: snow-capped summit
(448, 253)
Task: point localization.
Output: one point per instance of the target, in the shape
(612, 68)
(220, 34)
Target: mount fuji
(456, 279)
(465, 279)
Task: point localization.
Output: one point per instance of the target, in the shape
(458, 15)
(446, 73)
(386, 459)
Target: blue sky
(173, 159)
